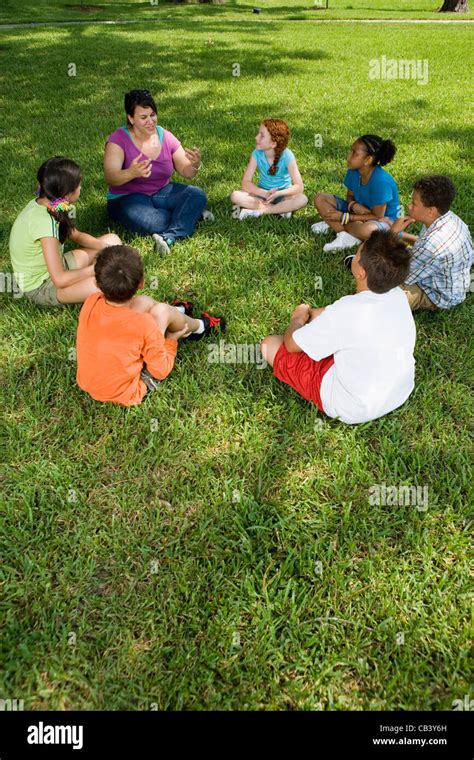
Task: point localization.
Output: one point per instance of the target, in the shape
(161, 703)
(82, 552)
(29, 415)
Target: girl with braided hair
(372, 201)
(280, 187)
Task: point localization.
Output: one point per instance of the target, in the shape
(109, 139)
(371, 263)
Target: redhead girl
(280, 187)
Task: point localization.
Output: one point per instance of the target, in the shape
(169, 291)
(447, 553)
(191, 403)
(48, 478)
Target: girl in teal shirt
(280, 187)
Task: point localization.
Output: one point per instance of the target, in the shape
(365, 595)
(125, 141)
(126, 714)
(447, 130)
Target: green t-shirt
(32, 224)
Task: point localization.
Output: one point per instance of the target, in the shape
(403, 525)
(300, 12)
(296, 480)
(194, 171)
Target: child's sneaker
(348, 262)
(342, 240)
(211, 326)
(287, 215)
(320, 228)
(207, 216)
(186, 307)
(248, 212)
(161, 245)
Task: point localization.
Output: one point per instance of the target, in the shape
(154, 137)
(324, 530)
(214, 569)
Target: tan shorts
(45, 294)
(418, 299)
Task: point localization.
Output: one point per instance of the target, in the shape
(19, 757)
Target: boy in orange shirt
(126, 344)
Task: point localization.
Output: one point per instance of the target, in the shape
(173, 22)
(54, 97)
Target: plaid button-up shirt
(441, 261)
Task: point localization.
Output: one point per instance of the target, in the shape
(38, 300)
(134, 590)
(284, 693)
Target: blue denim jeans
(172, 212)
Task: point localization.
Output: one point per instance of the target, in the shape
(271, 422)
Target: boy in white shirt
(354, 358)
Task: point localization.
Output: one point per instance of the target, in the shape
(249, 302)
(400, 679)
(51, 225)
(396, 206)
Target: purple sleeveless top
(161, 168)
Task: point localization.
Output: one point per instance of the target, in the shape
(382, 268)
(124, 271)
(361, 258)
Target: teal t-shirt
(381, 188)
(281, 179)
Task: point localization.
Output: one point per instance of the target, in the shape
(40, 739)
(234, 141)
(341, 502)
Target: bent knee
(161, 310)
(269, 347)
(111, 239)
(368, 228)
(302, 200)
(198, 194)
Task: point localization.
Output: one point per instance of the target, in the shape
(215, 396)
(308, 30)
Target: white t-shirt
(372, 337)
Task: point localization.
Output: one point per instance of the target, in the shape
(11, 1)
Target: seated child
(442, 255)
(126, 344)
(372, 196)
(354, 358)
(45, 274)
(280, 187)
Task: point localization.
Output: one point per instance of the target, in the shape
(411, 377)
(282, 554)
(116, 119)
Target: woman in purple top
(138, 164)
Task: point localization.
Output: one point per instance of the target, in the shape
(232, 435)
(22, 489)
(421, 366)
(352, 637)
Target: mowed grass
(216, 547)
(309, 10)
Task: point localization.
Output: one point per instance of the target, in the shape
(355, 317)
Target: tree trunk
(457, 6)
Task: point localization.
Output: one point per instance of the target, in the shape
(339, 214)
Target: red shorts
(302, 373)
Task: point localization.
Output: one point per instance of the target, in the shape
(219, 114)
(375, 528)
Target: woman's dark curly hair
(135, 98)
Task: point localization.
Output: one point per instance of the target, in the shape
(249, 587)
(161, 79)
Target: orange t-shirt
(113, 342)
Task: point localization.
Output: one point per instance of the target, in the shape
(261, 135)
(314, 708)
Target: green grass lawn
(58, 10)
(168, 555)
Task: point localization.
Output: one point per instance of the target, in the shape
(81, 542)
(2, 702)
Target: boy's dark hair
(386, 261)
(135, 98)
(437, 191)
(57, 177)
(118, 272)
(381, 150)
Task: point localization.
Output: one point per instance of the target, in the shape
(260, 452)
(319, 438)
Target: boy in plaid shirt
(442, 255)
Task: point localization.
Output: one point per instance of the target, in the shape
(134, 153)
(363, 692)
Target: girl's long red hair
(280, 133)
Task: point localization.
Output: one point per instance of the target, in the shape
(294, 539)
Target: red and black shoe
(212, 325)
(187, 305)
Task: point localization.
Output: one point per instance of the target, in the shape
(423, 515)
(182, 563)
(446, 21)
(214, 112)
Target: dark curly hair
(437, 191)
(135, 98)
(381, 150)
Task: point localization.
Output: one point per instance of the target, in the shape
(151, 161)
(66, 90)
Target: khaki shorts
(45, 294)
(418, 299)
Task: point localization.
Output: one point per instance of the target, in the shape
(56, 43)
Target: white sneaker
(342, 240)
(320, 228)
(161, 246)
(248, 212)
(287, 215)
(208, 216)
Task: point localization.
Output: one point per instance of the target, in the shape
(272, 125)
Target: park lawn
(216, 547)
(58, 10)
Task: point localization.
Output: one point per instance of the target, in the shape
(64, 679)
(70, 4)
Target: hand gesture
(140, 167)
(333, 216)
(271, 195)
(402, 223)
(302, 313)
(194, 157)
